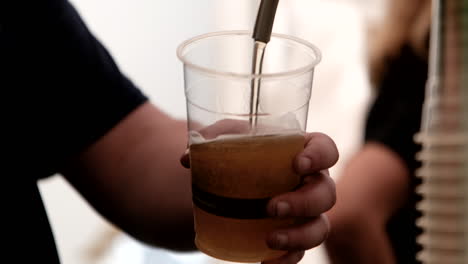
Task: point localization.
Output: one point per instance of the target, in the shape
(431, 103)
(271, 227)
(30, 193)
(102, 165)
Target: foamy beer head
(233, 178)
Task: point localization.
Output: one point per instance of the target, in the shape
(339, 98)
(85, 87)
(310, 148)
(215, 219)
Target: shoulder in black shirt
(61, 91)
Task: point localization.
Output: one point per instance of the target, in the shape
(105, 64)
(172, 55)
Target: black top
(61, 91)
(393, 120)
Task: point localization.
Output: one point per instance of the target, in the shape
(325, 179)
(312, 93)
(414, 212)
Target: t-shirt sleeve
(67, 87)
(395, 115)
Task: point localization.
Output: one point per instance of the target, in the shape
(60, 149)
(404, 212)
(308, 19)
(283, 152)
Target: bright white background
(142, 35)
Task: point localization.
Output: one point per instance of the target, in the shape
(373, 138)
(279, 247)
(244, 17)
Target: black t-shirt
(61, 91)
(395, 117)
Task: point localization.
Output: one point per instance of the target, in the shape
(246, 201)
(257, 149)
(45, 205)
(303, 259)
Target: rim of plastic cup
(448, 173)
(281, 74)
(440, 240)
(435, 208)
(441, 156)
(441, 138)
(436, 256)
(448, 224)
(442, 192)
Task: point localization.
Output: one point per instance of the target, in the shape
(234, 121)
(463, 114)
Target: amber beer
(233, 180)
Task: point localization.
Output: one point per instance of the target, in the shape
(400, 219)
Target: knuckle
(327, 225)
(330, 197)
(316, 236)
(328, 203)
(297, 256)
(323, 199)
(310, 208)
(317, 200)
(320, 233)
(331, 155)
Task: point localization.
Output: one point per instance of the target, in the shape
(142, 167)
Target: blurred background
(143, 35)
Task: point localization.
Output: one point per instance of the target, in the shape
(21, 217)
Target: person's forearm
(367, 246)
(134, 178)
(372, 187)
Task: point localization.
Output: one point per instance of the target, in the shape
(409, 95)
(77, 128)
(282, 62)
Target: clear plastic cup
(237, 165)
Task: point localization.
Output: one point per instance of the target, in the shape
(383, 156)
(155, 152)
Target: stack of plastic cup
(444, 140)
(444, 201)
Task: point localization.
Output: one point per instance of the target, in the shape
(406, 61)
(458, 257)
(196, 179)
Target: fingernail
(281, 240)
(304, 164)
(282, 209)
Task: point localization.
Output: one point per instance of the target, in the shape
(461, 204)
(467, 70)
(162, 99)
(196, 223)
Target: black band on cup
(229, 207)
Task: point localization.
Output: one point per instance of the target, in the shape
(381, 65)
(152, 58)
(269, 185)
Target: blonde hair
(406, 22)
